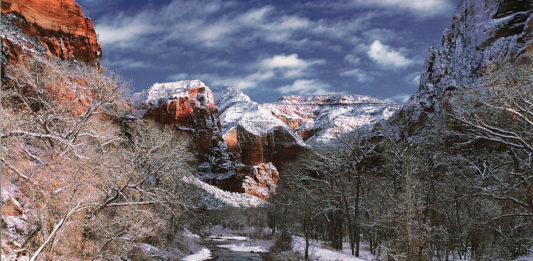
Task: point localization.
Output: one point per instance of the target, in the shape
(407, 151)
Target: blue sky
(272, 48)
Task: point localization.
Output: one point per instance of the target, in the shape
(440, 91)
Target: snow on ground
(318, 252)
(203, 254)
(231, 198)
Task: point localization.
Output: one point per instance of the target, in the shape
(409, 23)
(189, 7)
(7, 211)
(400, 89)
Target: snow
(225, 238)
(320, 253)
(236, 108)
(165, 92)
(243, 247)
(188, 234)
(203, 254)
(330, 115)
(159, 92)
(230, 198)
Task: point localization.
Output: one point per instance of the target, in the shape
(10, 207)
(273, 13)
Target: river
(237, 248)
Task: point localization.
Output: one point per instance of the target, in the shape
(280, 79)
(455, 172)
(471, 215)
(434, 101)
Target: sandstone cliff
(54, 27)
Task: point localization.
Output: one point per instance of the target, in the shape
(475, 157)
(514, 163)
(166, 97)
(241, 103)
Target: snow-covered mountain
(241, 143)
(323, 119)
(315, 119)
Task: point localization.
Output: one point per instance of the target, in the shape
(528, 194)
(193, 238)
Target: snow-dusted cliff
(482, 33)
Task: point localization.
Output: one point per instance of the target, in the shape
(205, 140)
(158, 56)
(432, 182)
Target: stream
(237, 248)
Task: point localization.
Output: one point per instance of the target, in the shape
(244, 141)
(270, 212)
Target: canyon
(241, 144)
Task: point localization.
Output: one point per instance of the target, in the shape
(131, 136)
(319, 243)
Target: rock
(189, 106)
(482, 33)
(276, 133)
(56, 28)
(261, 181)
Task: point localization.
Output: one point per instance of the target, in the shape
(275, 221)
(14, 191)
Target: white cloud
(413, 79)
(360, 75)
(212, 25)
(283, 61)
(121, 33)
(290, 61)
(386, 56)
(420, 7)
(305, 87)
(276, 67)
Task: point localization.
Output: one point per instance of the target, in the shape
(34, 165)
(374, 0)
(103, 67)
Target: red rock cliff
(190, 107)
(55, 27)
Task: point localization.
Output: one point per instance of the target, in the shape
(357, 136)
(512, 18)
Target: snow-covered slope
(236, 108)
(215, 198)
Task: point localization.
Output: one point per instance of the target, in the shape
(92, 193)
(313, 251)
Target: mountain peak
(166, 91)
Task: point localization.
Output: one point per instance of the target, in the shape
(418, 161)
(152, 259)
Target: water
(224, 254)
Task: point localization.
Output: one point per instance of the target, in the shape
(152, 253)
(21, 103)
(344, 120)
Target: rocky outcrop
(189, 106)
(482, 33)
(228, 159)
(53, 27)
(261, 181)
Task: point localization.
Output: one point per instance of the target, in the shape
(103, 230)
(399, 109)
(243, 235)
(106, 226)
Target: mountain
(56, 28)
(189, 106)
(241, 143)
(482, 33)
(316, 119)
(323, 119)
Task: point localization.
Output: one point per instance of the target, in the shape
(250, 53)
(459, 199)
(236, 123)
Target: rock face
(262, 181)
(482, 33)
(261, 137)
(54, 27)
(188, 105)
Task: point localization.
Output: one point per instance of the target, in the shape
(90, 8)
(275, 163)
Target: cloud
(126, 63)
(215, 24)
(306, 87)
(290, 66)
(387, 57)
(121, 33)
(400, 98)
(178, 77)
(360, 75)
(284, 61)
(281, 67)
(419, 7)
(352, 59)
(413, 79)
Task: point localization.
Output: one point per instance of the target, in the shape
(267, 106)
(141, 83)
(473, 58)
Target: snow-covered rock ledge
(230, 198)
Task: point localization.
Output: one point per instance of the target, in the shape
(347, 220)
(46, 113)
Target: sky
(272, 48)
